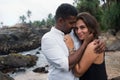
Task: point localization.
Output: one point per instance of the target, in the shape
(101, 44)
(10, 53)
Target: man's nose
(73, 25)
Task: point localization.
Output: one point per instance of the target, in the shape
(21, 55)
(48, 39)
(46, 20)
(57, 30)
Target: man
(55, 49)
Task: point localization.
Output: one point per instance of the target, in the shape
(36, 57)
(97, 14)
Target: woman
(92, 65)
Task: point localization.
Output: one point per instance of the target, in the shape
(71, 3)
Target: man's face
(68, 24)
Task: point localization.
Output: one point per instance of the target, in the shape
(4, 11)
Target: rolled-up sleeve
(54, 53)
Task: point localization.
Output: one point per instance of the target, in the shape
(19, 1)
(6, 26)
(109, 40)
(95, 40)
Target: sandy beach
(112, 66)
(31, 76)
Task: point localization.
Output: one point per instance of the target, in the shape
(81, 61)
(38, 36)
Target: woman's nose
(79, 30)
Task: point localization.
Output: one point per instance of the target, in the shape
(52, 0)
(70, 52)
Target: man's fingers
(100, 47)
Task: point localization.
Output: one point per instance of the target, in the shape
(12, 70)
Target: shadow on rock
(12, 61)
(41, 69)
(5, 77)
(20, 38)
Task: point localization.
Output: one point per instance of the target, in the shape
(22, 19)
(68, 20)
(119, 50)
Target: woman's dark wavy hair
(65, 10)
(91, 23)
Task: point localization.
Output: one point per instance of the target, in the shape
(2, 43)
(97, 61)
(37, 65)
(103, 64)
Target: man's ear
(60, 20)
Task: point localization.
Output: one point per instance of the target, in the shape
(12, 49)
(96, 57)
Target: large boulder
(16, 61)
(112, 42)
(5, 77)
(114, 46)
(20, 38)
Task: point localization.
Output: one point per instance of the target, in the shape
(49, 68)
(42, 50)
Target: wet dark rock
(116, 78)
(12, 61)
(39, 48)
(5, 77)
(37, 52)
(41, 69)
(22, 37)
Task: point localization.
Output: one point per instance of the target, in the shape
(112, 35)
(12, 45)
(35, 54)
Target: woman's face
(81, 30)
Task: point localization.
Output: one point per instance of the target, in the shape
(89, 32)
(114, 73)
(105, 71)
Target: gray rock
(17, 61)
(114, 46)
(20, 38)
(5, 77)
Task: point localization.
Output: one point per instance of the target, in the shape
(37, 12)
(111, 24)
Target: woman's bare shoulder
(92, 44)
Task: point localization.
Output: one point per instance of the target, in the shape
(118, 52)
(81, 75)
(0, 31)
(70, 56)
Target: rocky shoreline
(20, 38)
(112, 60)
(24, 37)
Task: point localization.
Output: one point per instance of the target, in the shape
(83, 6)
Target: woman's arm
(69, 43)
(77, 54)
(88, 58)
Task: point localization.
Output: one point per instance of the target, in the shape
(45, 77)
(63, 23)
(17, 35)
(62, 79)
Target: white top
(56, 52)
(77, 43)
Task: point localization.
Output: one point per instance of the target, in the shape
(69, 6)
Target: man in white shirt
(55, 49)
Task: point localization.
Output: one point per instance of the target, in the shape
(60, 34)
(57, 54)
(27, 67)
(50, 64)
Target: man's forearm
(76, 56)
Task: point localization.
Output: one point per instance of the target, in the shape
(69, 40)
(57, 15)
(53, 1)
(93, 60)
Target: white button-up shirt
(56, 52)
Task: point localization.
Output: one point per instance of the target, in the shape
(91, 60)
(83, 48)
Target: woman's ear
(91, 31)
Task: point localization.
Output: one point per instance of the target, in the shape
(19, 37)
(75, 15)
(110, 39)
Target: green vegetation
(111, 17)
(49, 22)
(91, 6)
(107, 14)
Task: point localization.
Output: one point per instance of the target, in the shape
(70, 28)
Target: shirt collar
(57, 31)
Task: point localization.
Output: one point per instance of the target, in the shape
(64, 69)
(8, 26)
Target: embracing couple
(72, 47)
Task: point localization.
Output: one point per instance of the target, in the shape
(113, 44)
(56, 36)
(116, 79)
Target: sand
(112, 66)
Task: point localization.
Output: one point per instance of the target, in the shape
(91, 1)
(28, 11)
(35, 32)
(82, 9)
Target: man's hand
(89, 38)
(100, 45)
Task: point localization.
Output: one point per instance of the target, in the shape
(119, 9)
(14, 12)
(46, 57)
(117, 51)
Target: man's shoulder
(47, 34)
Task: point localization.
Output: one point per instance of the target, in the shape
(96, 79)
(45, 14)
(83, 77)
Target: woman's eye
(75, 28)
(82, 27)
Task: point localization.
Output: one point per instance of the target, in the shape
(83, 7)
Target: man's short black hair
(65, 10)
